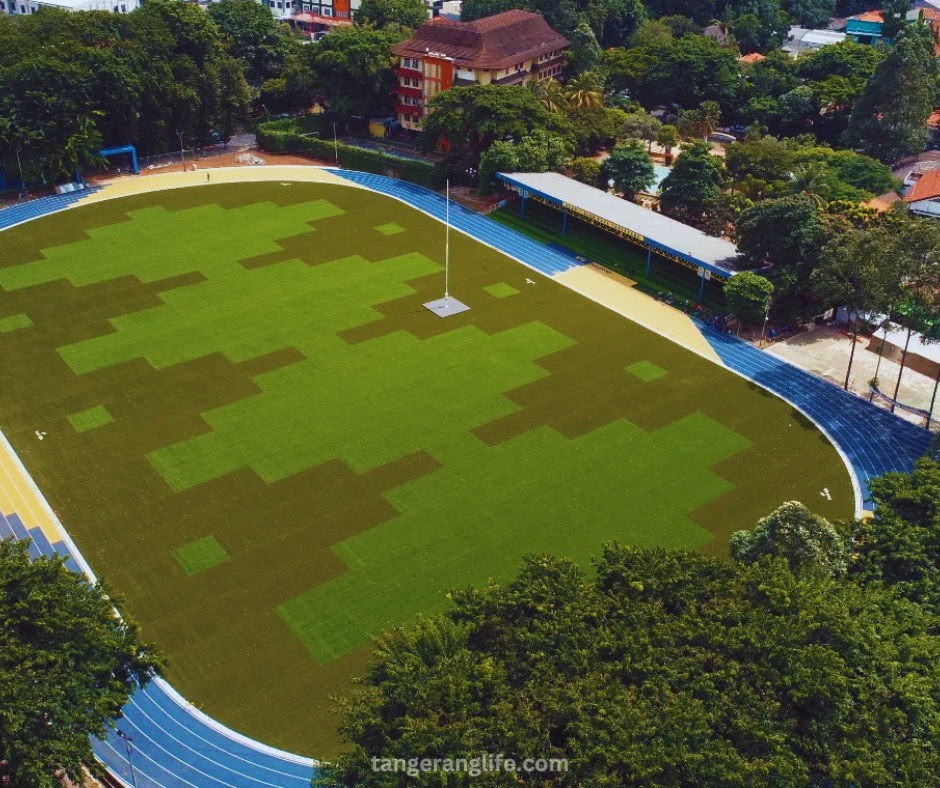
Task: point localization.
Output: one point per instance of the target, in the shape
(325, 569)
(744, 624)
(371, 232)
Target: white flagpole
(447, 249)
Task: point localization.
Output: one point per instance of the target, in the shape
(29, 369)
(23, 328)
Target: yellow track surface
(639, 307)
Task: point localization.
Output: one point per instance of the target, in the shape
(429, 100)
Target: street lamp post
(127, 747)
(335, 143)
(22, 179)
(764, 329)
(182, 156)
(471, 172)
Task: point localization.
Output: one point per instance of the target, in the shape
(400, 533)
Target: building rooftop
(754, 57)
(801, 38)
(926, 187)
(494, 42)
(681, 240)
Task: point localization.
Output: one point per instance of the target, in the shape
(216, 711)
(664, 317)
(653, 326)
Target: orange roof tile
(754, 57)
(870, 16)
(934, 119)
(925, 187)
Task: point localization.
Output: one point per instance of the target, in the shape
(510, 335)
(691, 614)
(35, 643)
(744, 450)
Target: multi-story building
(329, 9)
(13, 7)
(503, 49)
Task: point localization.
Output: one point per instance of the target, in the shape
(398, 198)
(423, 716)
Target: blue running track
(175, 746)
(522, 248)
(23, 212)
(873, 440)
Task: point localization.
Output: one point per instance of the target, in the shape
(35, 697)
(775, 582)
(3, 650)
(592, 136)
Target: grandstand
(710, 257)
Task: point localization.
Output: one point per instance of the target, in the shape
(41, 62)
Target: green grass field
(260, 438)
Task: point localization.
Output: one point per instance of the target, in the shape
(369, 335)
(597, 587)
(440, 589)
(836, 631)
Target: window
(123, 9)
(518, 67)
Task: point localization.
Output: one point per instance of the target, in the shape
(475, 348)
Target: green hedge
(288, 136)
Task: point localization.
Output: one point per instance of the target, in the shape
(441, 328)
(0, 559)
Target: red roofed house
(923, 198)
(499, 50)
(754, 57)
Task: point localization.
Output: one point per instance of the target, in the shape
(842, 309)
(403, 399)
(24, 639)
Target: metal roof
(657, 231)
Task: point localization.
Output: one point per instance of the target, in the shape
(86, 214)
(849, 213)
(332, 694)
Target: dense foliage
(748, 296)
(667, 668)
(890, 117)
(810, 544)
(67, 666)
(72, 83)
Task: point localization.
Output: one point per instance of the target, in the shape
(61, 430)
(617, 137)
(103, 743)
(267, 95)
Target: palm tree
(585, 90)
(553, 96)
(711, 117)
(813, 180)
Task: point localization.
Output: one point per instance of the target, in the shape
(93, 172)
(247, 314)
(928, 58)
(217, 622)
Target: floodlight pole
(764, 329)
(335, 143)
(447, 249)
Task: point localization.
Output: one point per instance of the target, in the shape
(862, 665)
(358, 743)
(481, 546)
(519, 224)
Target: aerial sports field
(236, 404)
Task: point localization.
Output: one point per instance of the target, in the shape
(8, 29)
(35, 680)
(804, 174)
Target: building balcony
(537, 67)
(411, 73)
(410, 109)
(403, 90)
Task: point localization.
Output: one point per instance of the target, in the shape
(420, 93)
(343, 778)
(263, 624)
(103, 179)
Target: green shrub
(296, 135)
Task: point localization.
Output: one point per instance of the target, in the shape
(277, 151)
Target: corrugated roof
(925, 187)
(494, 42)
(676, 236)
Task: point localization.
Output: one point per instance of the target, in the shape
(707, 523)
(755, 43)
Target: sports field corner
(256, 433)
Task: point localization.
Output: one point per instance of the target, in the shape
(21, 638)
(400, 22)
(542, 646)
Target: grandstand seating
(23, 212)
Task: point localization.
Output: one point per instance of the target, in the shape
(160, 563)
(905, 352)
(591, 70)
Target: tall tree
(858, 271)
(630, 168)
(257, 39)
(67, 666)
(889, 119)
(501, 157)
(810, 544)
(353, 68)
(380, 13)
(692, 183)
(787, 233)
(748, 296)
(584, 51)
(474, 117)
(667, 668)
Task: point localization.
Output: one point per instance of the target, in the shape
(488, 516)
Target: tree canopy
(692, 183)
(353, 69)
(256, 38)
(73, 83)
(889, 119)
(810, 544)
(748, 296)
(666, 668)
(630, 168)
(472, 118)
(67, 666)
(380, 13)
